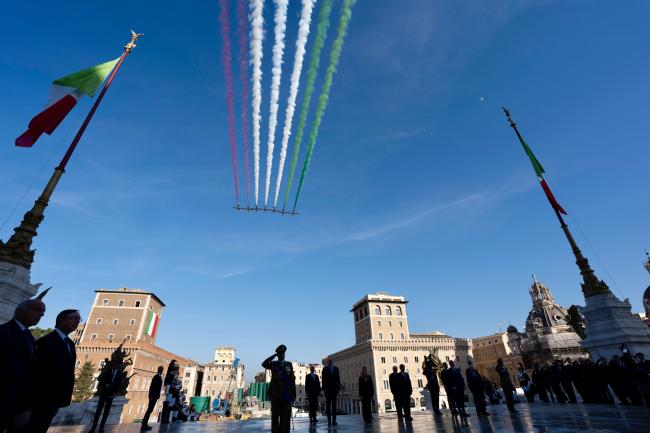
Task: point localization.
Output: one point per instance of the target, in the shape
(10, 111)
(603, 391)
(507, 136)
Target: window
(121, 303)
(111, 337)
(390, 323)
(401, 336)
(137, 304)
(391, 335)
(98, 321)
(104, 301)
(116, 321)
(389, 312)
(406, 360)
(93, 337)
(386, 384)
(383, 360)
(447, 358)
(381, 336)
(420, 384)
(128, 337)
(378, 310)
(378, 322)
(417, 359)
(394, 359)
(187, 374)
(400, 323)
(398, 311)
(388, 404)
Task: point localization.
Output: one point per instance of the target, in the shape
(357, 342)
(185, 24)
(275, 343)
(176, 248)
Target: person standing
(108, 384)
(282, 389)
(447, 383)
(525, 383)
(366, 392)
(506, 384)
(312, 389)
(170, 391)
(430, 368)
(458, 388)
(406, 389)
(331, 387)
(154, 394)
(538, 383)
(17, 345)
(476, 386)
(53, 367)
(394, 383)
(567, 376)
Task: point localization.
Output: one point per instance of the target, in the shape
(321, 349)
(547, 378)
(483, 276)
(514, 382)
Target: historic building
(129, 317)
(383, 339)
(193, 380)
(548, 336)
(223, 375)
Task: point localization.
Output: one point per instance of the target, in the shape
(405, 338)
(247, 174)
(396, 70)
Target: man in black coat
(53, 367)
(17, 345)
(108, 384)
(476, 386)
(331, 387)
(406, 389)
(366, 392)
(312, 389)
(154, 394)
(506, 384)
(446, 376)
(458, 386)
(395, 387)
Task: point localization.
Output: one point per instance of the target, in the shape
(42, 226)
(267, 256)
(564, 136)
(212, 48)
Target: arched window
(378, 310)
(388, 404)
(389, 312)
(398, 311)
(412, 403)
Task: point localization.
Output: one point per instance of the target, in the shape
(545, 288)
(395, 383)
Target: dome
(512, 330)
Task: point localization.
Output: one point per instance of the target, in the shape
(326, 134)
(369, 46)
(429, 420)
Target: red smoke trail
(242, 25)
(226, 55)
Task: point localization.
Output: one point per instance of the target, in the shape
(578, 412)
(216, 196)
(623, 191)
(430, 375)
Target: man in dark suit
(154, 394)
(458, 384)
(108, 384)
(331, 387)
(17, 344)
(52, 370)
(476, 385)
(366, 392)
(406, 389)
(395, 389)
(312, 389)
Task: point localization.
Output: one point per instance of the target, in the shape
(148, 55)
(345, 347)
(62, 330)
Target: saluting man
(282, 390)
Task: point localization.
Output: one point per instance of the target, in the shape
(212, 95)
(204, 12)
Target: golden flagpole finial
(131, 45)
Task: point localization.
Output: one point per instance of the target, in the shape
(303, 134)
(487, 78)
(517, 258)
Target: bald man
(17, 345)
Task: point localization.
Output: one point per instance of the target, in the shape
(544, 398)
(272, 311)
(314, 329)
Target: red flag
(551, 197)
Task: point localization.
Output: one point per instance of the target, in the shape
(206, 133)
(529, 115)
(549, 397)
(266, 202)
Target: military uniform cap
(281, 348)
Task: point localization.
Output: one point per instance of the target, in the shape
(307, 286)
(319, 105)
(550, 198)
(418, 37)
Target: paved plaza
(538, 418)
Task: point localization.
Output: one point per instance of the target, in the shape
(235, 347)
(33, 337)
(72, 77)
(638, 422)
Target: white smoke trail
(303, 35)
(257, 37)
(278, 52)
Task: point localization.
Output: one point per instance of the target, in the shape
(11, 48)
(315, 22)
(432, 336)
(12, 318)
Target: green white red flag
(152, 324)
(64, 94)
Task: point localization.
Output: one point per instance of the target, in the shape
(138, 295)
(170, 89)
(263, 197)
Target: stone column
(15, 287)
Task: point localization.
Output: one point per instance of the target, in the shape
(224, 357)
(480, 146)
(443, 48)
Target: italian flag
(64, 94)
(539, 171)
(152, 323)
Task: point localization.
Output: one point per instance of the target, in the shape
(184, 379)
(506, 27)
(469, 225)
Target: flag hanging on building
(64, 94)
(537, 166)
(152, 323)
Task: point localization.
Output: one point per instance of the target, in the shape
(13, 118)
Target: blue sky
(416, 187)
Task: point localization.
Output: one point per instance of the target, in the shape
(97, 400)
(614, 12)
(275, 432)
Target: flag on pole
(152, 324)
(539, 170)
(64, 94)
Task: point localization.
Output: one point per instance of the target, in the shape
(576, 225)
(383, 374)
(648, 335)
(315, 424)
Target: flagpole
(17, 250)
(591, 286)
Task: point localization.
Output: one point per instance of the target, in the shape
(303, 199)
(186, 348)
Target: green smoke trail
(319, 42)
(335, 56)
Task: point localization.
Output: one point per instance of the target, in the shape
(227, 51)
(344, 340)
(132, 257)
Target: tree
(39, 332)
(576, 321)
(84, 383)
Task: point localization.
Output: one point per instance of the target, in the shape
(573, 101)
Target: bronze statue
(119, 362)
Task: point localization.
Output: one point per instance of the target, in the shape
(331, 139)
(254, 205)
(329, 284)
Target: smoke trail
(242, 24)
(319, 41)
(276, 71)
(226, 57)
(257, 37)
(335, 56)
(303, 35)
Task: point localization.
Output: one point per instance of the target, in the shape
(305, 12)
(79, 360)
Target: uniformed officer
(431, 368)
(282, 390)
